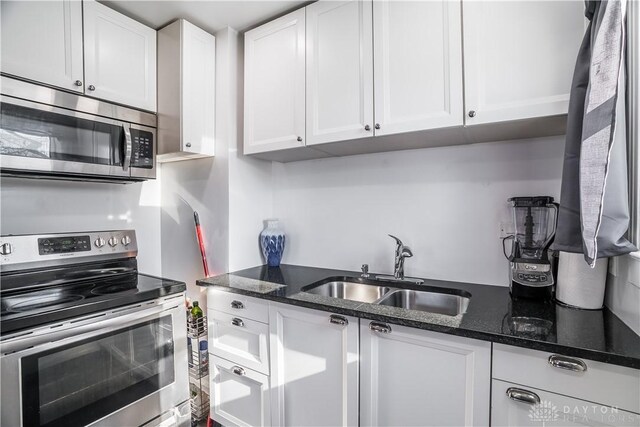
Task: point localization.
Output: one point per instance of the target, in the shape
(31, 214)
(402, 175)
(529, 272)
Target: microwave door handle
(128, 146)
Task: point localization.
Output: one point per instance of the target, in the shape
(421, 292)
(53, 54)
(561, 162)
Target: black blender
(532, 268)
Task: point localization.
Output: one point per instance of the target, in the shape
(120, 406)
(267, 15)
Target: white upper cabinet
(339, 71)
(274, 85)
(417, 64)
(42, 41)
(186, 96)
(411, 377)
(314, 367)
(519, 58)
(120, 57)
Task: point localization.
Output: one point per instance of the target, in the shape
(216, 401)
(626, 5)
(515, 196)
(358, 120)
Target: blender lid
(534, 201)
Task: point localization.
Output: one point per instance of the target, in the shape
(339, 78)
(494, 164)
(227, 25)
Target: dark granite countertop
(491, 315)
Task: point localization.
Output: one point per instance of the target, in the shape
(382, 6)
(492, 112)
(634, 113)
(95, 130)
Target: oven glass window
(82, 382)
(29, 132)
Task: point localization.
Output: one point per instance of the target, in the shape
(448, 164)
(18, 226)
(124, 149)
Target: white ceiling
(210, 15)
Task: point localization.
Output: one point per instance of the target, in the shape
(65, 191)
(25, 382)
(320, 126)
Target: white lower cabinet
(239, 339)
(314, 367)
(240, 396)
(282, 365)
(411, 377)
(517, 405)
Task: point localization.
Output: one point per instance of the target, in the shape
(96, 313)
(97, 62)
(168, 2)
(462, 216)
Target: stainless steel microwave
(48, 133)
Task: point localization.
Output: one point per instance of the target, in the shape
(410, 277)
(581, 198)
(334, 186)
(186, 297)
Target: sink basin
(432, 302)
(354, 291)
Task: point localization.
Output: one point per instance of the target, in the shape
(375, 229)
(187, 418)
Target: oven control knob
(113, 241)
(126, 240)
(99, 242)
(6, 249)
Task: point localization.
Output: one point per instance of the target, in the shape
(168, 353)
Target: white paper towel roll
(580, 285)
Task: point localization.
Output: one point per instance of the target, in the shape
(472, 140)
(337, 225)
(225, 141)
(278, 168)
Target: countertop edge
(531, 344)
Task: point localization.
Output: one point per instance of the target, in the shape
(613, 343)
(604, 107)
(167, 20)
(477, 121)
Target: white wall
(250, 180)
(231, 192)
(43, 206)
(445, 203)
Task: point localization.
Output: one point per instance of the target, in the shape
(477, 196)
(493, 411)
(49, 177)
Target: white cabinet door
(186, 95)
(42, 41)
(240, 396)
(519, 58)
(274, 84)
(418, 65)
(314, 367)
(339, 71)
(198, 92)
(411, 377)
(119, 57)
(515, 405)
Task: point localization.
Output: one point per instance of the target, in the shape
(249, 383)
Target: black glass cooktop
(23, 307)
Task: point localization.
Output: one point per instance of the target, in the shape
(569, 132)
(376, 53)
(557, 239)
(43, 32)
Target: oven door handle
(115, 320)
(128, 146)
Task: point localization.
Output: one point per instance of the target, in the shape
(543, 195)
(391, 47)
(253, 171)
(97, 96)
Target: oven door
(46, 139)
(124, 367)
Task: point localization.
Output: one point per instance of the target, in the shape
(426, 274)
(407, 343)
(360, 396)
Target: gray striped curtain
(594, 203)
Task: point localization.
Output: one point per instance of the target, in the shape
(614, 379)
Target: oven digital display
(58, 245)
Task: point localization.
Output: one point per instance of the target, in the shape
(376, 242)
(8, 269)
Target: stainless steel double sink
(450, 302)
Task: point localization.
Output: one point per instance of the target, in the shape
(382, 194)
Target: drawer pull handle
(568, 363)
(338, 320)
(237, 370)
(524, 396)
(380, 327)
(237, 305)
(237, 322)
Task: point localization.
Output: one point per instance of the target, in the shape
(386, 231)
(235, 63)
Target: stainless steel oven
(87, 339)
(46, 132)
(121, 367)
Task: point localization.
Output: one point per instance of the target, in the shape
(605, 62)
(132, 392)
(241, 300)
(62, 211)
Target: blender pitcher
(534, 219)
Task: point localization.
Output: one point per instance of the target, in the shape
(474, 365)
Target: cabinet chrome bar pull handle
(568, 363)
(237, 370)
(237, 322)
(237, 305)
(524, 396)
(338, 320)
(380, 327)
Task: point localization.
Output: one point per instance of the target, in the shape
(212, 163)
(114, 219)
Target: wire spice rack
(198, 368)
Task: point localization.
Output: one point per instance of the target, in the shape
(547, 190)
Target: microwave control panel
(142, 153)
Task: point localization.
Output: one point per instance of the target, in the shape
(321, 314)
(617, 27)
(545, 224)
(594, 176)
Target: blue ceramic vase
(272, 242)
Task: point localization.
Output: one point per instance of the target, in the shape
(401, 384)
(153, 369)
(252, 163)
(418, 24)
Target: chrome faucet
(402, 252)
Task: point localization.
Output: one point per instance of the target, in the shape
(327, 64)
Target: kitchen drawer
(601, 382)
(240, 340)
(240, 396)
(552, 410)
(238, 305)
